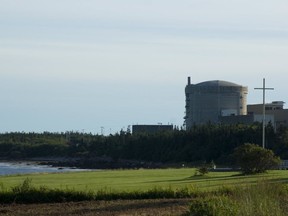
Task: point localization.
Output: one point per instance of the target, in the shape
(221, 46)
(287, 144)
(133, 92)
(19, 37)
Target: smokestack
(189, 80)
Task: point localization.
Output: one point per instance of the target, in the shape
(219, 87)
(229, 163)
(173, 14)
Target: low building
(151, 128)
(247, 119)
(275, 109)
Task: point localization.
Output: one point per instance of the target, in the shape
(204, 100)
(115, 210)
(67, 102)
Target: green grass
(148, 184)
(141, 180)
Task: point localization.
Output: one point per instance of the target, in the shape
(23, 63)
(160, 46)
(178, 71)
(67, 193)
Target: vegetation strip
(26, 193)
(127, 150)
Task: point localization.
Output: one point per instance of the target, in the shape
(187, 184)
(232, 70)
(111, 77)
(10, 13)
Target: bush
(201, 171)
(25, 186)
(204, 169)
(253, 159)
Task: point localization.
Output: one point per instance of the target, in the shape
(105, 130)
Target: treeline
(201, 143)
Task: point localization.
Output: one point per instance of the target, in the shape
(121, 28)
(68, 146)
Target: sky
(99, 66)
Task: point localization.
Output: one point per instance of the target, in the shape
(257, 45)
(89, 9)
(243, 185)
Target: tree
(254, 159)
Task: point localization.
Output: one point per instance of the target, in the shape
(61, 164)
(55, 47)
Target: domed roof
(217, 83)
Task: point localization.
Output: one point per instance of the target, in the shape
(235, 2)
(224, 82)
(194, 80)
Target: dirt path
(104, 208)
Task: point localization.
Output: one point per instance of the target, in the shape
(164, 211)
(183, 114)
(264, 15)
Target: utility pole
(263, 116)
(102, 130)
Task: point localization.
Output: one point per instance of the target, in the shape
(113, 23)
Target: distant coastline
(86, 163)
(29, 167)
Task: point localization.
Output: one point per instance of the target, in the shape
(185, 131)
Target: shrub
(253, 159)
(202, 170)
(25, 186)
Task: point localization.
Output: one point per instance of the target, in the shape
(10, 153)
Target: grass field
(134, 192)
(141, 180)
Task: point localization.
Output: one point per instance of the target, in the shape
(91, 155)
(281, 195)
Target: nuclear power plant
(222, 102)
(209, 101)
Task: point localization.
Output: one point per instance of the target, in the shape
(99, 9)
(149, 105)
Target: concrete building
(208, 101)
(151, 128)
(247, 119)
(275, 109)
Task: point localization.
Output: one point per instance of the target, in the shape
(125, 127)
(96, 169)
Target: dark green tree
(254, 159)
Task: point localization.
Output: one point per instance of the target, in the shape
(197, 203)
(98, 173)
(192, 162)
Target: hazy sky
(86, 64)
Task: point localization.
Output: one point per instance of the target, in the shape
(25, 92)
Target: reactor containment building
(209, 101)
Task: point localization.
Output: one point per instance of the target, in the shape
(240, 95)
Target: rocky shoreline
(88, 163)
(100, 163)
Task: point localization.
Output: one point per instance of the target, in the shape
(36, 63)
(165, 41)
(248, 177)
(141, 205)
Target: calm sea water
(10, 168)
